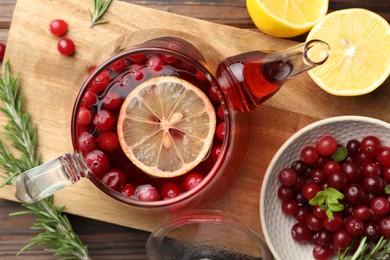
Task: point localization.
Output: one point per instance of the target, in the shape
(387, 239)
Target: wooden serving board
(50, 83)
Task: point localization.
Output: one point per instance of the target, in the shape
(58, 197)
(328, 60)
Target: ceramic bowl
(277, 226)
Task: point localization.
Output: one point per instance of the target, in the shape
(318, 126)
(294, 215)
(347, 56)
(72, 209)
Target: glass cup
(206, 234)
(130, 60)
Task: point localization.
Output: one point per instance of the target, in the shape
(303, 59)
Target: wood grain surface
(299, 103)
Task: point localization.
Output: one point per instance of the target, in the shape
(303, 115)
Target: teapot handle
(44, 180)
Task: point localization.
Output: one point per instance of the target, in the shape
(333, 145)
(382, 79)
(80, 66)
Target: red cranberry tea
(97, 116)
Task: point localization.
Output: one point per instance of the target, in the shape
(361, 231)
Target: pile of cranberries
(360, 170)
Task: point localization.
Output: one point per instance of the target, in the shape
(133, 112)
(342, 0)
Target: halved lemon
(286, 18)
(166, 126)
(360, 57)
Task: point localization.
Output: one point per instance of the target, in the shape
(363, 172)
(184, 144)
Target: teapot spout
(249, 79)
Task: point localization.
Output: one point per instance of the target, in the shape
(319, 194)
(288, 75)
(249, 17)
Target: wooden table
(108, 241)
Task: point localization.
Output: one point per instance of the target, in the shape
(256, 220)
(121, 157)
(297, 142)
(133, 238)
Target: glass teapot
(233, 85)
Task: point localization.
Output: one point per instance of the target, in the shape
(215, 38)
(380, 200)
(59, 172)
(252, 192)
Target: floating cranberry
(154, 64)
(108, 141)
(192, 180)
(101, 82)
(84, 117)
(66, 46)
(137, 58)
(58, 27)
(220, 130)
(87, 142)
(89, 99)
(119, 65)
(170, 190)
(146, 192)
(213, 93)
(216, 151)
(114, 179)
(128, 190)
(221, 112)
(112, 100)
(98, 162)
(104, 120)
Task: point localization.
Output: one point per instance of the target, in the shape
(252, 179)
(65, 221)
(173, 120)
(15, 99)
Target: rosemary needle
(53, 228)
(99, 8)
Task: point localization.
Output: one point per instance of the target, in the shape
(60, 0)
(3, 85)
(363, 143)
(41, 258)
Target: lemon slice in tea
(360, 58)
(166, 126)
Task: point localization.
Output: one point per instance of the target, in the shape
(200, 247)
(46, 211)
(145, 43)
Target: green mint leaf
(387, 189)
(336, 207)
(329, 213)
(340, 154)
(332, 192)
(318, 199)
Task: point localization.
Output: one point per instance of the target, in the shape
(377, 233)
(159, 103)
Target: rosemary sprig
(99, 7)
(53, 228)
(367, 251)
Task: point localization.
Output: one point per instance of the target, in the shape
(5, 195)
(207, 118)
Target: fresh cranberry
(84, 116)
(380, 206)
(371, 169)
(290, 207)
(220, 130)
(319, 213)
(112, 100)
(98, 162)
(362, 212)
(104, 120)
(309, 155)
(372, 184)
(353, 147)
(101, 82)
(169, 59)
(216, 151)
(108, 141)
(287, 177)
(285, 193)
(333, 224)
(146, 192)
(170, 190)
(354, 226)
(322, 252)
(324, 238)
(302, 214)
(383, 156)
(299, 167)
(192, 180)
(310, 190)
(128, 190)
(86, 142)
(2, 51)
(386, 173)
(89, 99)
(154, 64)
(119, 65)
(342, 239)
(384, 226)
(301, 232)
(353, 172)
(354, 194)
(58, 27)
(364, 158)
(326, 145)
(301, 181)
(314, 223)
(200, 76)
(318, 176)
(331, 167)
(114, 179)
(371, 230)
(136, 72)
(337, 180)
(66, 46)
(370, 145)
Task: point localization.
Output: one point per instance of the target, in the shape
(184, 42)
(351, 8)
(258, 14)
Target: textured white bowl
(276, 226)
